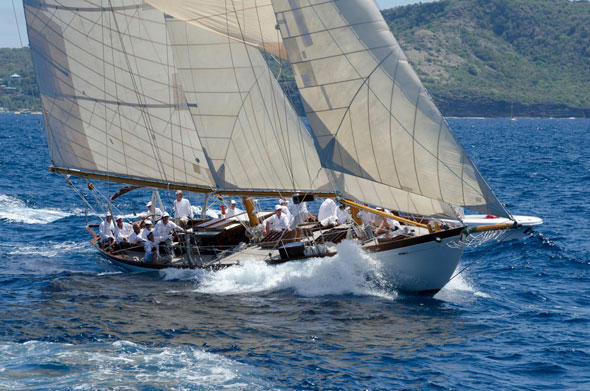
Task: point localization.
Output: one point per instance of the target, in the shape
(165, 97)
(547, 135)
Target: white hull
(420, 268)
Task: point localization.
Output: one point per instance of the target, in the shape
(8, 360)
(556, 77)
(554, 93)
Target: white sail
(110, 92)
(371, 117)
(249, 21)
(251, 135)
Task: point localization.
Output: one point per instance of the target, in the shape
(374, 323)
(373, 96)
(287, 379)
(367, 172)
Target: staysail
(375, 126)
(251, 134)
(110, 91)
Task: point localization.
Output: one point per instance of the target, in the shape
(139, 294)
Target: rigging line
(20, 40)
(143, 111)
(266, 109)
(475, 260)
(104, 88)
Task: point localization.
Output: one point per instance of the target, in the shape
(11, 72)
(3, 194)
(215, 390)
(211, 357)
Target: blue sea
(518, 318)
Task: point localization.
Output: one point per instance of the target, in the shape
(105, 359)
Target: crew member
(151, 249)
(135, 237)
(182, 209)
(277, 222)
(122, 232)
(152, 213)
(232, 211)
(328, 213)
(107, 230)
(146, 229)
(164, 227)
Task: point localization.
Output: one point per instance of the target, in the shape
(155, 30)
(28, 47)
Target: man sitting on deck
(151, 249)
(135, 238)
(328, 213)
(106, 231)
(182, 209)
(146, 230)
(164, 227)
(155, 214)
(277, 222)
(122, 232)
(232, 211)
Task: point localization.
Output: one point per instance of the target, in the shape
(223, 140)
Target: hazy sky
(9, 33)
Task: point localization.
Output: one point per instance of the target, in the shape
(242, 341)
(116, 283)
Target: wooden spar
(249, 205)
(184, 186)
(491, 227)
(384, 214)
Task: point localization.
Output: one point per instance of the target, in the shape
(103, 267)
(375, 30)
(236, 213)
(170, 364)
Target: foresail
(251, 135)
(249, 21)
(111, 96)
(370, 115)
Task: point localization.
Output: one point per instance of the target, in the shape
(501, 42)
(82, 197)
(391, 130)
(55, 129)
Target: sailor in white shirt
(285, 205)
(146, 230)
(300, 214)
(343, 214)
(328, 213)
(122, 231)
(277, 222)
(164, 227)
(135, 237)
(232, 211)
(107, 229)
(153, 214)
(152, 252)
(182, 209)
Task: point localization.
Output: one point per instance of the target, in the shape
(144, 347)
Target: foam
(351, 271)
(53, 249)
(15, 210)
(460, 287)
(106, 366)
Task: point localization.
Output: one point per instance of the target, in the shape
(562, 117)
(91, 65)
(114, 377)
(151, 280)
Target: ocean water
(518, 318)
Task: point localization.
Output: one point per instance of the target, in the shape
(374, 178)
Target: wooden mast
(249, 205)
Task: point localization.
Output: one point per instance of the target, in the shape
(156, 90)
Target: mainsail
(110, 91)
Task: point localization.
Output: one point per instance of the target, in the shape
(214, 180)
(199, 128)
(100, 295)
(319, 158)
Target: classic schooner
(178, 94)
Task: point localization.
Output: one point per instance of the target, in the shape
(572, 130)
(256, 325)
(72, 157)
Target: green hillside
(476, 57)
(500, 57)
(22, 92)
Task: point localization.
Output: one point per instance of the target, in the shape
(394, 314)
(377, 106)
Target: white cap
(178, 192)
(165, 214)
(283, 200)
(233, 202)
(109, 214)
(149, 204)
(119, 218)
(148, 222)
(278, 207)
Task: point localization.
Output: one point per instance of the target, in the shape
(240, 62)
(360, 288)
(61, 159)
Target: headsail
(251, 134)
(375, 126)
(110, 91)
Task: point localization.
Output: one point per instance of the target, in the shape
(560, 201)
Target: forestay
(375, 126)
(251, 134)
(110, 91)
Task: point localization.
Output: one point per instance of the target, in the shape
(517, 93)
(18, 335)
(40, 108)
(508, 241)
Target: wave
(351, 271)
(52, 249)
(15, 210)
(120, 364)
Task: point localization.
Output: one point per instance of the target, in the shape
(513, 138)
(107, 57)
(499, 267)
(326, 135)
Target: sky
(9, 32)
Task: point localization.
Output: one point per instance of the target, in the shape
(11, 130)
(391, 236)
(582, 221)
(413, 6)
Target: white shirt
(327, 209)
(106, 230)
(154, 215)
(278, 223)
(149, 247)
(182, 209)
(144, 233)
(134, 238)
(162, 231)
(231, 212)
(123, 233)
(299, 214)
(343, 215)
(366, 217)
(286, 212)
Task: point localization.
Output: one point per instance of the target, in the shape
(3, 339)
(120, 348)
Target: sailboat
(178, 94)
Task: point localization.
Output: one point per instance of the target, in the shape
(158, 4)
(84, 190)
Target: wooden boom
(183, 186)
(353, 204)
